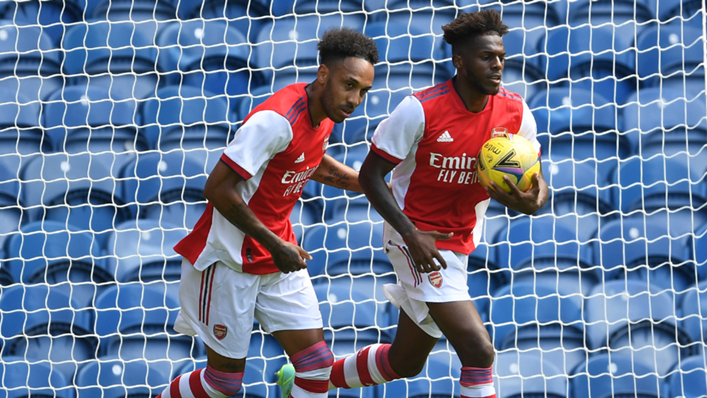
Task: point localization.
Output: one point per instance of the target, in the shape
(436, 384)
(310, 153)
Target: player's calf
(204, 383)
(312, 371)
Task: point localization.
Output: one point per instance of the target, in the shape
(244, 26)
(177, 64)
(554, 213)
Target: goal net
(113, 113)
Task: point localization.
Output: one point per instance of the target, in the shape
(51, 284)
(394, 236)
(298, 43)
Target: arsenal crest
(498, 131)
(220, 331)
(435, 279)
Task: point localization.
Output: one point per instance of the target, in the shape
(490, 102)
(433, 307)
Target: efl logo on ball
(220, 331)
(435, 279)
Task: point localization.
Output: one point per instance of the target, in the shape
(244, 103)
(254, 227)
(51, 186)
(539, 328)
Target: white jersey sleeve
(528, 127)
(404, 128)
(263, 135)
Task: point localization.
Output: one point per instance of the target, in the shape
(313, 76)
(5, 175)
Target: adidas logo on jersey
(300, 159)
(445, 137)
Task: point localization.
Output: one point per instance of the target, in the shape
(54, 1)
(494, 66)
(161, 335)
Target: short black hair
(340, 43)
(468, 26)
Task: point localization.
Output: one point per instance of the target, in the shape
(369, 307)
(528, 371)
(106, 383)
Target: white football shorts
(219, 305)
(415, 289)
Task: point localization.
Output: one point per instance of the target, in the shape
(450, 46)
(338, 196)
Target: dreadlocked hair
(340, 43)
(468, 26)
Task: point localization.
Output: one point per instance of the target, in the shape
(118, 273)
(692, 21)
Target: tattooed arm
(220, 190)
(338, 175)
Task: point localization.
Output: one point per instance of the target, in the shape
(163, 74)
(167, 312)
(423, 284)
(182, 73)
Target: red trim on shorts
(338, 377)
(201, 295)
(211, 289)
(195, 384)
(364, 374)
(312, 386)
(413, 270)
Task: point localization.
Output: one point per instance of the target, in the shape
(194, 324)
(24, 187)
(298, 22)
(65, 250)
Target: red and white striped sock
(312, 371)
(477, 383)
(368, 367)
(204, 383)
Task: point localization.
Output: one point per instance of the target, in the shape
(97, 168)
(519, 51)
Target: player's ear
(457, 61)
(323, 74)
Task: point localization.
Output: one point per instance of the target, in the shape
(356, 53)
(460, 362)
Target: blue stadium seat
(577, 198)
(29, 61)
(638, 318)
(50, 252)
(341, 249)
(304, 215)
(112, 377)
(136, 320)
(668, 49)
(142, 250)
(20, 123)
(266, 354)
(624, 16)
(352, 319)
(663, 121)
(657, 183)
(165, 186)
(246, 104)
(533, 18)
(87, 118)
(46, 324)
(117, 56)
(246, 17)
(578, 123)
(439, 378)
(528, 374)
(50, 15)
(484, 276)
(599, 59)
(522, 78)
(10, 207)
(25, 379)
(647, 250)
(526, 303)
(689, 380)
(698, 247)
(614, 375)
(75, 189)
(188, 118)
(543, 250)
(136, 10)
(376, 107)
(349, 13)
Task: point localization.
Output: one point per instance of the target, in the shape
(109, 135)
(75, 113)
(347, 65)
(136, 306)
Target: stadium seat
(329, 13)
(88, 118)
(698, 247)
(692, 321)
(41, 323)
(376, 107)
(50, 15)
(246, 104)
(142, 250)
(667, 49)
(658, 182)
(689, 378)
(75, 189)
(20, 125)
(187, 118)
(10, 207)
(599, 59)
(50, 252)
(647, 250)
(522, 78)
(352, 319)
(528, 374)
(526, 303)
(543, 250)
(286, 50)
(580, 124)
(636, 318)
(663, 121)
(346, 248)
(577, 195)
(21, 378)
(625, 17)
(117, 56)
(303, 216)
(135, 10)
(136, 320)
(533, 18)
(439, 378)
(614, 375)
(246, 17)
(484, 276)
(29, 61)
(165, 186)
(112, 377)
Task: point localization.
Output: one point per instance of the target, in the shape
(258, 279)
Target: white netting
(113, 113)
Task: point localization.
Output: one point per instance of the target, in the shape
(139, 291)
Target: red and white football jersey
(276, 151)
(434, 140)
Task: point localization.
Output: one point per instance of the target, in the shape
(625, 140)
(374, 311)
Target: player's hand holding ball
(509, 168)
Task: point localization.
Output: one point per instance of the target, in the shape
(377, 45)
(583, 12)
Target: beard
(330, 107)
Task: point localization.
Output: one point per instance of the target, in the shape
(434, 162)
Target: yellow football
(511, 155)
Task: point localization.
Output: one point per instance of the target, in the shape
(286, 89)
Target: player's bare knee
(408, 368)
(478, 353)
